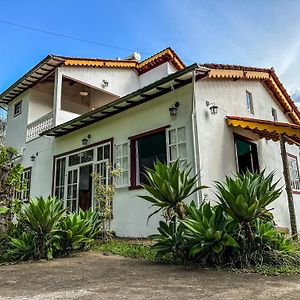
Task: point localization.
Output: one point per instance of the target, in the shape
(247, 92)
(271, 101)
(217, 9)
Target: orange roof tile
(267, 76)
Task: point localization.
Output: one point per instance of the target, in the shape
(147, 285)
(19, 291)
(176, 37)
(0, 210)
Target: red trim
(296, 192)
(133, 166)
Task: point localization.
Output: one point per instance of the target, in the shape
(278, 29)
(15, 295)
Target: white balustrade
(38, 126)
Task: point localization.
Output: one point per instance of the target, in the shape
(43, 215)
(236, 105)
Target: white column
(57, 95)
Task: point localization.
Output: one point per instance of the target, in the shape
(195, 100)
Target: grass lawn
(141, 248)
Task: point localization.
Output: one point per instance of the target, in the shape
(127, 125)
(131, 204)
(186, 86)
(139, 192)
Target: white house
(71, 116)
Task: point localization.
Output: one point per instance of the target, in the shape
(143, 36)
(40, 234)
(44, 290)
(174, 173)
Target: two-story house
(69, 117)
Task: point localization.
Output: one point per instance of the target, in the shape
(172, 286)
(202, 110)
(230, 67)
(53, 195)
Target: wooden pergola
(275, 131)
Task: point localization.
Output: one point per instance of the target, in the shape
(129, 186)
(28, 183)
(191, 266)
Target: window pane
(87, 156)
(106, 152)
(74, 160)
(173, 153)
(172, 136)
(150, 149)
(181, 134)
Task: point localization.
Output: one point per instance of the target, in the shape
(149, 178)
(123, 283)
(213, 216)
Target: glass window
(294, 172)
(274, 114)
(247, 158)
(249, 102)
(60, 178)
(177, 145)
(122, 163)
(103, 152)
(146, 150)
(24, 192)
(18, 108)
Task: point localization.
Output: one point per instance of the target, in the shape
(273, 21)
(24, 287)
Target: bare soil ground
(92, 275)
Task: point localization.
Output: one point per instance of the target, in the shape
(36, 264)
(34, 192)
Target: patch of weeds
(127, 249)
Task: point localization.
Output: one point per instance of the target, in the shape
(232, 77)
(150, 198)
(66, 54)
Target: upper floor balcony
(53, 102)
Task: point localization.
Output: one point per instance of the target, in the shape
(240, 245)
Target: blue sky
(258, 33)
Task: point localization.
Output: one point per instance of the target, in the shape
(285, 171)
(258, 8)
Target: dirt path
(95, 276)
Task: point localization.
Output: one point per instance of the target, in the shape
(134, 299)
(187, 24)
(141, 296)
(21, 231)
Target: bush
(77, 230)
(41, 217)
(238, 231)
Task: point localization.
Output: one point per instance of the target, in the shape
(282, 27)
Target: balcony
(38, 126)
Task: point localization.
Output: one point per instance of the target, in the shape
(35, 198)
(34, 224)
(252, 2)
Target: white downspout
(196, 148)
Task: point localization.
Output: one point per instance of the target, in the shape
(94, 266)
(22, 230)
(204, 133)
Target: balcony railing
(38, 126)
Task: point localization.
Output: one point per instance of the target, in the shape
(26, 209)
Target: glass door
(71, 195)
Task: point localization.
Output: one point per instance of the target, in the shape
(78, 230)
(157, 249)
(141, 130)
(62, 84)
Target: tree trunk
(288, 188)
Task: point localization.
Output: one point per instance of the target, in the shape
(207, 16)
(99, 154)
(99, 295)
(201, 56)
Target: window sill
(136, 187)
(296, 192)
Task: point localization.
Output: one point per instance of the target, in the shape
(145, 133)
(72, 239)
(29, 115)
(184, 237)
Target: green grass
(125, 248)
(142, 250)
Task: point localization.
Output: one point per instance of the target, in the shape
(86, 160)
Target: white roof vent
(134, 56)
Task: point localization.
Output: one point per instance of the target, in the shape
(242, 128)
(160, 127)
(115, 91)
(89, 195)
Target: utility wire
(77, 39)
(69, 37)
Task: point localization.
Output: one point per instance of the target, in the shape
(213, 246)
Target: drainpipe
(196, 148)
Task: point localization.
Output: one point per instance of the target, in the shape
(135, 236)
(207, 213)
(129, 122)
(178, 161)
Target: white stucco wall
(217, 151)
(17, 126)
(40, 104)
(120, 81)
(153, 75)
(130, 212)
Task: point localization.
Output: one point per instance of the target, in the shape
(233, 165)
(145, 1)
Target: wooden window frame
(248, 140)
(297, 192)
(15, 105)
(133, 152)
(29, 169)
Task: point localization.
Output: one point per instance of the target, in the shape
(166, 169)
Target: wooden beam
(288, 187)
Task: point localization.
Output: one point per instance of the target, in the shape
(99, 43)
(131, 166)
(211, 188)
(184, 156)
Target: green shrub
(168, 187)
(245, 197)
(170, 239)
(41, 217)
(22, 247)
(209, 232)
(78, 230)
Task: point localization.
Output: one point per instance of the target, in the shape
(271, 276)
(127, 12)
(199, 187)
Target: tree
(10, 177)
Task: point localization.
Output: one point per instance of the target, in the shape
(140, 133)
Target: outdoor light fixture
(83, 93)
(33, 156)
(212, 107)
(173, 109)
(85, 140)
(104, 83)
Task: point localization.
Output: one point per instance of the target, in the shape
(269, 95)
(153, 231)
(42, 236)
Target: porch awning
(269, 130)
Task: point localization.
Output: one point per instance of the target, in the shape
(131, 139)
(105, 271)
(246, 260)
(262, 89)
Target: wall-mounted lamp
(85, 140)
(33, 156)
(173, 109)
(104, 83)
(212, 107)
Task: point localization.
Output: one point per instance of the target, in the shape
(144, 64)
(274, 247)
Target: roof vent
(135, 56)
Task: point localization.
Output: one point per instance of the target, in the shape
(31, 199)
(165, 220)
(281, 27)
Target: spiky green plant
(170, 238)
(209, 230)
(245, 197)
(168, 187)
(22, 247)
(41, 217)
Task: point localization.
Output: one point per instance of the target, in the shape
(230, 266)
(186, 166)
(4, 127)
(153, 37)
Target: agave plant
(170, 239)
(209, 230)
(168, 187)
(78, 230)
(245, 197)
(22, 247)
(41, 217)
